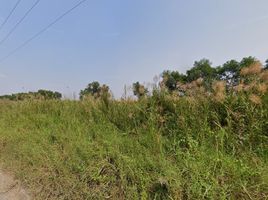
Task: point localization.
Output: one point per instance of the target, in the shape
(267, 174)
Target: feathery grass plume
(141, 89)
(255, 99)
(196, 83)
(195, 88)
(262, 88)
(264, 76)
(239, 87)
(219, 88)
(162, 83)
(253, 69)
(191, 100)
(199, 81)
(253, 85)
(247, 88)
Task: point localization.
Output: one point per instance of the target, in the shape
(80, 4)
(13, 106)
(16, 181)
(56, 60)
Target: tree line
(40, 94)
(172, 81)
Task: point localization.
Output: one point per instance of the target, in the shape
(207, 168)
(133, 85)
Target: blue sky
(118, 42)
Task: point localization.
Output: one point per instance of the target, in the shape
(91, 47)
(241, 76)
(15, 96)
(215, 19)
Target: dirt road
(11, 189)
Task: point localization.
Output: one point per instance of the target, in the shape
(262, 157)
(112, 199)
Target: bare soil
(11, 189)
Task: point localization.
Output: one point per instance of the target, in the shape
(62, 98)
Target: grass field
(160, 147)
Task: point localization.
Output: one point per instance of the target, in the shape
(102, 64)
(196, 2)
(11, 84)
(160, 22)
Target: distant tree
(266, 64)
(40, 94)
(47, 94)
(229, 72)
(172, 78)
(96, 90)
(7, 97)
(247, 61)
(202, 69)
(92, 89)
(139, 90)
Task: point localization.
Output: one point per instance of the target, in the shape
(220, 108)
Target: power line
(19, 22)
(9, 15)
(42, 30)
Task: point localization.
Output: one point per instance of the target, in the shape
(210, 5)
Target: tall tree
(139, 90)
(96, 90)
(92, 89)
(229, 72)
(172, 78)
(247, 61)
(202, 69)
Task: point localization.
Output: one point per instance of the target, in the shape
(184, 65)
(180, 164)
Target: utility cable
(42, 30)
(9, 15)
(19, 22)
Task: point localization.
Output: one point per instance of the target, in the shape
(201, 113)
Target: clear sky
(117, 42)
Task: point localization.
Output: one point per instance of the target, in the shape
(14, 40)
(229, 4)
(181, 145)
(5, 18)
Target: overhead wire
(19, 22)
(9, 15)
(42, 30)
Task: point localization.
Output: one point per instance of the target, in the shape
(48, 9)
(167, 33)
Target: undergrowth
(160, 147)
(198, 144)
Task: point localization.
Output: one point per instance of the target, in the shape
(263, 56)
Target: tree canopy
(203, 70)
(139, 90)
(96, 90)
(40, 94)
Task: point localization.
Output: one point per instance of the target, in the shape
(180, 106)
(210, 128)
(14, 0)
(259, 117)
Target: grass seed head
(253, 69)
(255, 99)
(264, 76)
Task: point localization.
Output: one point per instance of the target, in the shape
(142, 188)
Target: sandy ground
(11, 189)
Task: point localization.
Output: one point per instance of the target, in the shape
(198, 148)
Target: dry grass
(253, 69)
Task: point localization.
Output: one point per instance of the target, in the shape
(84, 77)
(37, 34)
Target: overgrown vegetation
(200, 139)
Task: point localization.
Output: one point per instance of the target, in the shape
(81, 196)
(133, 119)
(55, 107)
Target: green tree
(40, 94)
(202, 69)
(172, 78)
(247, 61)
(229, 72)
(96, 90)
(139, 90)
(92, 89)
(47, 94)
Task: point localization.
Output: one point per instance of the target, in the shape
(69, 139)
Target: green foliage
(139, 90)
(205, 144)
(172, 78)
(94, 89)
(201, 69)
(40, 94)
(247, 61)
(229, 72)
(159, 147)
(49, 94)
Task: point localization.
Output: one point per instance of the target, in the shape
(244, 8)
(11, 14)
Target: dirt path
(11, 189)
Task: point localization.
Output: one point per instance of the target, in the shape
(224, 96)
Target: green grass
(156, 148)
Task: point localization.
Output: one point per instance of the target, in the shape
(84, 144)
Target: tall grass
(207, 146)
